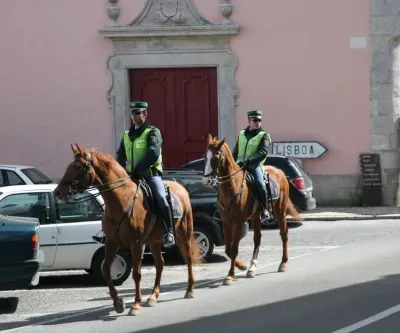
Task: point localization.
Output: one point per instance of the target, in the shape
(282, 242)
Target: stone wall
(385, 91)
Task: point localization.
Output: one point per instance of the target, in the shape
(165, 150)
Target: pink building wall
(294, 62)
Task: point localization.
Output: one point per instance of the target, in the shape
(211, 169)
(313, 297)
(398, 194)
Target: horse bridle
(214, 171)
(74, 187)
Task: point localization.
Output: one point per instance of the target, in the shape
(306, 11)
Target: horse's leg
(234, 250)
(110, 251)
(227, 228)
(136, 252)
(257, 241)
(159, 263)
(280, 209)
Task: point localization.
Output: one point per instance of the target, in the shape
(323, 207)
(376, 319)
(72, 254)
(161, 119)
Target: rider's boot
(265, 216)
(169, 239)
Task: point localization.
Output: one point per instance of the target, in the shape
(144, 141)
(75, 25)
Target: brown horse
(127, 221)
(237, 204)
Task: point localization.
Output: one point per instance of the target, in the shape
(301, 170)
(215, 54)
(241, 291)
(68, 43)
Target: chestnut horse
(127, 221)
(237, 204)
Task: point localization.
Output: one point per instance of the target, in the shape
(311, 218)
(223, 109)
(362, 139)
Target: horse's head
(212, 159)
(78, 176)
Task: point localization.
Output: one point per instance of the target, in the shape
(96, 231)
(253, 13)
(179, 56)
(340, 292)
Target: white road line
(45, 322)
(369, 320)
(279, 247)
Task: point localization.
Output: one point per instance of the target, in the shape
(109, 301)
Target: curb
(346, 218)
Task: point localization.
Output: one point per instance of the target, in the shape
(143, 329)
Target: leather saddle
(250, 179)
(149, 202)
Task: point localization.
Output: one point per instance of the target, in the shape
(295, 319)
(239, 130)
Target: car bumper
(23, 275)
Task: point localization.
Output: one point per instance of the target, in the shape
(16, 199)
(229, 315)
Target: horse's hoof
(119, 305)
(151, 302)
(134, 312)
(282, 268)
(228, 281)
(251, 274)
(189, 294)
(240, 265)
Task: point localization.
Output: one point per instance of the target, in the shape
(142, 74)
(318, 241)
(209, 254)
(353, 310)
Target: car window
(88, 209)
(36, 176)
(282, 164)
(35, 205)
(9, 178)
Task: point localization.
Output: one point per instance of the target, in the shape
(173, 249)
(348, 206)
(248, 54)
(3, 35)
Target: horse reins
(228, 178)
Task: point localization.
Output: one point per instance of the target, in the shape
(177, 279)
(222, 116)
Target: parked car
(21, 174)
(300, 184)
(67, 228)
(20, 255)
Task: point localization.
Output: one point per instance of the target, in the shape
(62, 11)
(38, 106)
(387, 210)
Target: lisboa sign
(298, 149)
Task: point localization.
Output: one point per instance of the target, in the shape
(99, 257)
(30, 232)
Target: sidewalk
(350, 213)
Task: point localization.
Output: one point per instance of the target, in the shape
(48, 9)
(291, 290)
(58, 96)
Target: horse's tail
(196, 257)
(293, 211)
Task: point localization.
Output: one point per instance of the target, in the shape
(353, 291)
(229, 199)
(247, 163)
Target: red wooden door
(183, 104)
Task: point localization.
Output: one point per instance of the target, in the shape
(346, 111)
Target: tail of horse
(293, 211)
(196, 251)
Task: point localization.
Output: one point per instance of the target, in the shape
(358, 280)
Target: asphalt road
(342, 277)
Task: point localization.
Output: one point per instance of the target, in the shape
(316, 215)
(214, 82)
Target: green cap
(254, 113)
(138, 106)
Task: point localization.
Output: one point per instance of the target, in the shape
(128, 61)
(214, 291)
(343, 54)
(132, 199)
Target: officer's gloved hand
(134, 176)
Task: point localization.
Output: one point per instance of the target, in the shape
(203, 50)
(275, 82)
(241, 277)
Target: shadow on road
(320, 312)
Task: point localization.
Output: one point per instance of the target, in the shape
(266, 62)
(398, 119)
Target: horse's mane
(105, 161)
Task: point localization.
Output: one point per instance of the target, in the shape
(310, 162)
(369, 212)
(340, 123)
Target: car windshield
(36, 176)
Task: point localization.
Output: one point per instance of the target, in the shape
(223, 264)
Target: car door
(77, 222)
(35, 204)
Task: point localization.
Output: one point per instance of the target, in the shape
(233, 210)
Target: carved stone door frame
(164, 36)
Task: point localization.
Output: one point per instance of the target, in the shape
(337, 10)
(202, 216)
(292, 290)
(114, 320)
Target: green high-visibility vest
(247, 148)
(136, 150)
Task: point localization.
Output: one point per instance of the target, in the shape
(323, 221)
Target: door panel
(183, 104)
(197, 110)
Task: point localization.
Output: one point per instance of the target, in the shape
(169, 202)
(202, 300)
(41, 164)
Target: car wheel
(120, 268)
(205, 241)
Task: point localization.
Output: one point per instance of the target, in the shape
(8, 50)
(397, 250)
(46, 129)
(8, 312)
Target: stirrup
(169, 240)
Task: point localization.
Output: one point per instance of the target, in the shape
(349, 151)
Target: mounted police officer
(140, 154)
(250, 152)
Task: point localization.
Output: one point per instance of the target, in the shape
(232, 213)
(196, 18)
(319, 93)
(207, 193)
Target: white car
(11, 174)
(66, 229)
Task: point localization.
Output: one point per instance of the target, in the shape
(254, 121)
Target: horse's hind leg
(110, 251)
(257, 241)
(280, 209)
(159, 263)
(136, 252)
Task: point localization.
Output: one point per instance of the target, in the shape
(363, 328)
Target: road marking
(369, 320)
(101, 308)
(279, 247)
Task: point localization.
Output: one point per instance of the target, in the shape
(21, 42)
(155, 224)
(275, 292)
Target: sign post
(298, 149)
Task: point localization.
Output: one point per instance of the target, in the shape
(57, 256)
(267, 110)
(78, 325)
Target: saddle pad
(176, 206)
(274, 189)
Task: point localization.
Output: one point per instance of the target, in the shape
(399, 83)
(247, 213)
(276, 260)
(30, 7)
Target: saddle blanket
(176, 206)
(274, 188)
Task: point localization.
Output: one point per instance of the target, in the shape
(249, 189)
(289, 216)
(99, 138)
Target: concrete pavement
(351, 287)
(351, 213)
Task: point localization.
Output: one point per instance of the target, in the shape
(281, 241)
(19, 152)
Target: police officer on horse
(140, 154)
(250, 152)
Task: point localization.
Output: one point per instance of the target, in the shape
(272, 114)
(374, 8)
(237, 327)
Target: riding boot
(169, 239)
(265, 216)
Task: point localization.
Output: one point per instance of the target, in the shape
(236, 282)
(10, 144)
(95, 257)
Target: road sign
(298, 149)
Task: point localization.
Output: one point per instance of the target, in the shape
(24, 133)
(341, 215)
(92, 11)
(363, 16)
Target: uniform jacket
(154, 142)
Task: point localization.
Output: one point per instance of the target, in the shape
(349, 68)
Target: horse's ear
(209, 138)
(221, 143)
(79, 148)
(74, 148)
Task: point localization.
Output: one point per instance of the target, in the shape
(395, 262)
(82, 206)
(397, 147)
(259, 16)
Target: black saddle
(149, 202)
(250, 179)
